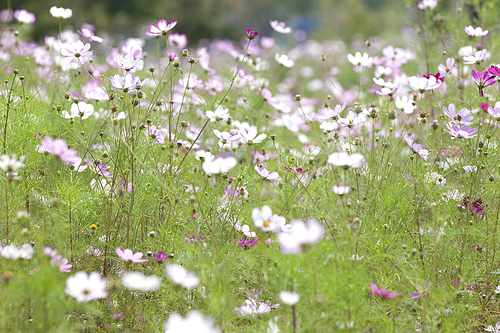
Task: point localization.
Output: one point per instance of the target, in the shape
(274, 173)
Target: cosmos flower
(59, 148)
(80, 109)
(219, 114)
(265, 174)
(140, 282)
(280, 27)
(477, 57)
(417, 148)
(125, 83)
(345, 160)
(283, 60)
(10, 163)
(128, 255)
(341, 190)
(251, 34)
(300, 236)
(181, 276)
(444, 70)
(462, 117)
(461, 132)
(383, 292)
(89, 34)
(85, 287)
(194, 322)
(289, 297)
(359, 59)
(427, 4)
(423, 83)
(75, 51)
(161, 29)
(60, 13)
(475, 32)
(23, 16)
(213, 166)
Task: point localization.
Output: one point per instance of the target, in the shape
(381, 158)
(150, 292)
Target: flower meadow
(259, 185)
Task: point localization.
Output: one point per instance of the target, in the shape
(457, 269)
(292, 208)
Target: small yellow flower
(93, 227)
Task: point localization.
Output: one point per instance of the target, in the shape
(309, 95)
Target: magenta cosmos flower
(59, 148)
(251, 34)
(482, 80)
(161, 29)
(128, 255)
(383, 292)
(76, 51)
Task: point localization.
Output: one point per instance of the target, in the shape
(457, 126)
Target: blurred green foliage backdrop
(210, 19)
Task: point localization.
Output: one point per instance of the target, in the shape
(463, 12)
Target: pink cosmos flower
(162, 28)
(76, 51)
(475, 32)
(126, 83)
(494, 111)
(178, 41)
(383, 292)
(23, 16)
(274, 176)
(89, 34)
(417, 148)
(461, 132)
(59, 148)
(155, 134)
(280, 27)
(462, 117)
(128, 255)
(64, 267)
(494, 70)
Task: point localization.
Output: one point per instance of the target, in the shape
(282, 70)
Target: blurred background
(226, 19)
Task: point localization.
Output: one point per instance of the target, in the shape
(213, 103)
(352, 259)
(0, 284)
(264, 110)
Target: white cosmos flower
(359, 59)
(213, 166)
(300, 236)
(220, 114)
(81, 109)
(10, 163)
(194, 322)
(12, 252)
(475, 32)
(140, 282)
(289, 297)
(263, 218)
(85, 287)
(346, 160)
(280, 27)
(181, 276)
(283, 59)
(60, 13)
(405, 104)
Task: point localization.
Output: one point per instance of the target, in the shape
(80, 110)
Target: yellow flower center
(267, 223)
